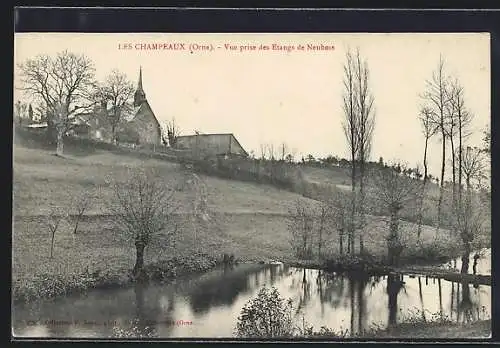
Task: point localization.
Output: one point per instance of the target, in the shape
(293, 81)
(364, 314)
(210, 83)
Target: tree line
(393, 187)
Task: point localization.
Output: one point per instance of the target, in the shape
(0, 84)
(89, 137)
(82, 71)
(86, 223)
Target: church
(142, 120)
(139, 126)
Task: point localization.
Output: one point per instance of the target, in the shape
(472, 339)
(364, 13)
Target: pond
(208, 305)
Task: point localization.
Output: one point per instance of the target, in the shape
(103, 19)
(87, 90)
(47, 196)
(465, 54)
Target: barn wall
(205, 144)
(213, 144)
(236, 147)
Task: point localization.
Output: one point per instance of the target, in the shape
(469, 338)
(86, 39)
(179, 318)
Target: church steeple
(139, 96)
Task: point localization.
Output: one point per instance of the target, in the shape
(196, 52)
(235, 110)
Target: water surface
(208, 305)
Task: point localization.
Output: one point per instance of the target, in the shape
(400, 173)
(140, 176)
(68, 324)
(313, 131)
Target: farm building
(208, 145)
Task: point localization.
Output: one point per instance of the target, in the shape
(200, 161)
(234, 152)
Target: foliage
(266, 316)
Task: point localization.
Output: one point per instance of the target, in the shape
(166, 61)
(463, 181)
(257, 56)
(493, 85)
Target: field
(245, 219)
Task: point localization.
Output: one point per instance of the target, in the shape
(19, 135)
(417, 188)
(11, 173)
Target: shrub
(265, 316)
(353, 263)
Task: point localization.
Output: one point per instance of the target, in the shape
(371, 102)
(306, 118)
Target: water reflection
(213, 301)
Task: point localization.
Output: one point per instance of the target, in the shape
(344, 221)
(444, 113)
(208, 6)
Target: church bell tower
(139, 96)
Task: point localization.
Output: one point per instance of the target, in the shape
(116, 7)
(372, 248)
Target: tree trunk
(52, 243)
(361, 209)
(341, 243)
(320, 233)
(350, 249)
(421, 208)
(51, 132)
(441, 189)
(139, 261)
(465, 258)
(113, 133)
(454, 194)
(60, 143)
(76, 225)
(474, 265)
(453, 166)
(394, 247)
(459, 157)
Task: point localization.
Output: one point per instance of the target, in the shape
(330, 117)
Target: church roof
(130, 115)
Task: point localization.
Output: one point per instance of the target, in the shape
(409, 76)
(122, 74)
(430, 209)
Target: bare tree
(365, 127)
(340, 216)
(21, 108)
(393, 190)
(271, 152)
(437, 103)
(459, 118)
(118, 90)
(30, 113)
(472, 166)
(469, 223)
(263, 151)
(300, 226)
(82, 202)
(144, 206)
(54, 219)
(429, 129)
(487, 141)
(283, 151)
(350, 127)
(197, 189)
(323, 226)
(171, 133)
(64, 83)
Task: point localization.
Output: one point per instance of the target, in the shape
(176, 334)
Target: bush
(433, 252)
(266, 316)
(176, 266)
(354, 263)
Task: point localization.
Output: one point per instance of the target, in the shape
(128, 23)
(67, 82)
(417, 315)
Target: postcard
(251, 186)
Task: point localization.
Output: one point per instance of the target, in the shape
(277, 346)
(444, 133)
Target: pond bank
(446, 275)
(368, 265)
(46, 285)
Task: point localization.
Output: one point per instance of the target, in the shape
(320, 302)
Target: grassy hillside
(246, 219)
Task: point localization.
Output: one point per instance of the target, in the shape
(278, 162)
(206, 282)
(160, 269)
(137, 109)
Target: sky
(292, 96)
